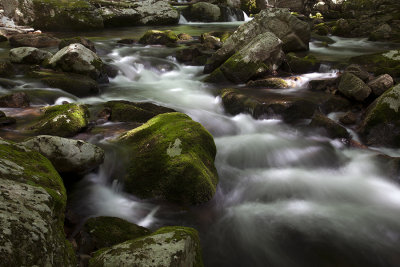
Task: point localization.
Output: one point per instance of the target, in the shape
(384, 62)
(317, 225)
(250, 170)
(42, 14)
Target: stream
(286, 197)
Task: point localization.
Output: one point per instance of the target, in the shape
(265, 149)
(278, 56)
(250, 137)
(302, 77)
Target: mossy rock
(134, 112)
(32, 200)
(321, 29)
(381, 63)
(381, 124)
(101, 232)
(78, 15)
(153, 37)
(303, 65)
(202, 11)
(75, 84)
(64, 120)
(331, 128)
(353, 87)
(171, 157)
(77, 40)
(169, 246)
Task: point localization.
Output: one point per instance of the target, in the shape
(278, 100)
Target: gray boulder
(262, 55)
(148, 12)
(78, 59)
(353, 87)
(294, 33)
(32, 204)
(29, 55)
(202, 11)
(67, 155)
(169, 246)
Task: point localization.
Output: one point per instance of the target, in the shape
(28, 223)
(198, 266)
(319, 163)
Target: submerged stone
(170, 157)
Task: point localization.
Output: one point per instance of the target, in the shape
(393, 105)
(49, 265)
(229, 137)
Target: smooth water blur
(285, 197)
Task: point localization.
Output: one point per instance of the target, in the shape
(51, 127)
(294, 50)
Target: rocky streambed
(200, 144)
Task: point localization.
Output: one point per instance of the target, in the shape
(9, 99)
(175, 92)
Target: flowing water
(285, 197)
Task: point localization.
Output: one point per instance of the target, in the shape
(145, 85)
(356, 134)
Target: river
(286, 197)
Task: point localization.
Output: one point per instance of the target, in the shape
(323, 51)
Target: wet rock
(302, 65)
(267, 105)
(45, 96)
(321, 29)
(168, 246)
(203, 12)
(273, 83)
(221, 35)
(29, 55)
(358, 71)
(126, 41)
(126, 111)
(348, 118)
(78, 59)
(3, 38)
(77, 40)
(194, 55)
(15, 100)
(381, 123)
(353, 87)
(229, 14)
(184, 37)
(6, 69)
(342, 28)
(380, 84)
(211, 42)
(63, 120)
(324, 39)
(331, 128)
(326, 85)
(171, 157)
(33, 40)
(102, 232)
(76, 84)
(147, 12)
(67, 155)
(294, 33)
(381, 63)
(32, 201)
(153, 37)
(4, 121)
(110, 70)
(75, 15)
(261, 56)
(382, 33)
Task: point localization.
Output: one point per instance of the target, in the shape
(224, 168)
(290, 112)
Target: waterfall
(182, 20)
(246, 18)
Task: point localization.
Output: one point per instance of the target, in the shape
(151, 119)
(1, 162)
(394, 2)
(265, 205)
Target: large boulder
(381, 63)
(262, 55)
(121, 110)
(76, 84)
(129, 13)
(101, 232)
(168, 246)
(353, 87)
(294, 33)
(170, 157)
(67, 155)
(28, 55)
(32, 203)
(380, 84)
(202, 11)
(63, 120)
(78, 59)
(381, 124)
(33, 40)
(77, 15)
(77, 40)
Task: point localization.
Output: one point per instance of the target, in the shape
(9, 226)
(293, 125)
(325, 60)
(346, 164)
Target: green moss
(109, 231)
(302, 65)
(237, 70)
(155, 170)
(134, 112)
(321, 29)
(62, 120)
(35, 170)
(249, 6)
(217, 76)
(159, 37)
(380, 63)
